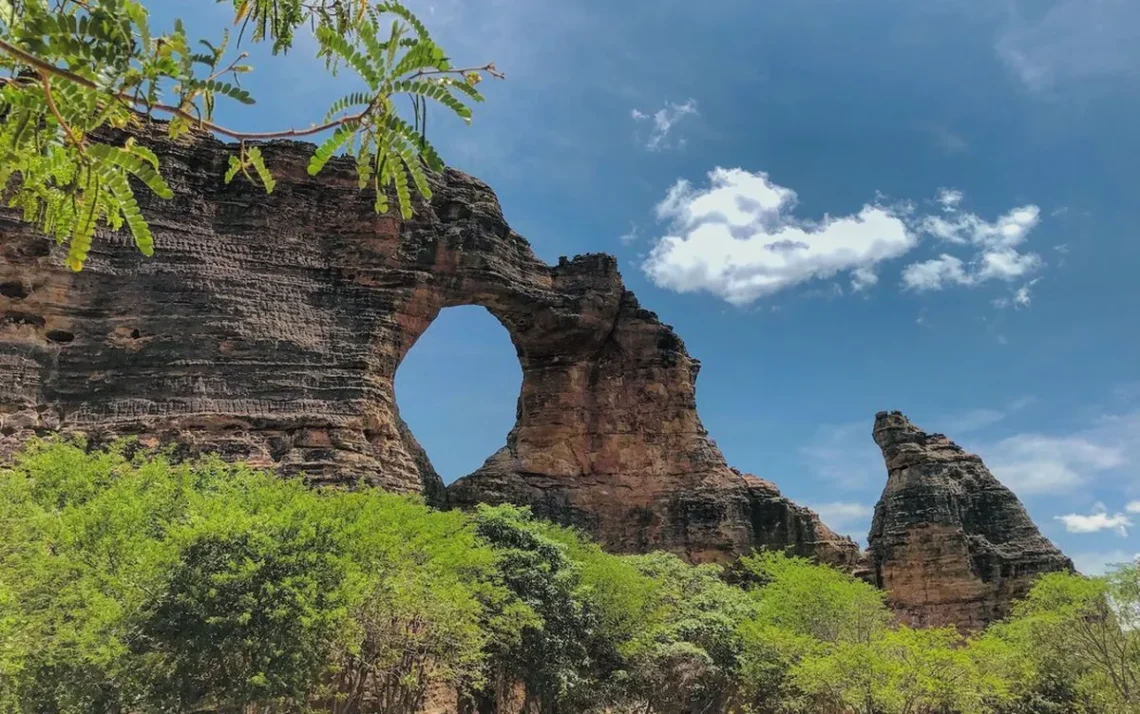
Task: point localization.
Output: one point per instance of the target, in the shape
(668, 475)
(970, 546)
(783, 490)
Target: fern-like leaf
(398, 9)
(346, 102)
(258, 163)
(213, 86)
(129, 208)
(357, 60)
(128, 161)
(435, 91)
(330, 146)
(232, 171)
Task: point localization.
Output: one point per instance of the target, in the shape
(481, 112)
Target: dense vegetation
(72, 71)
(129, 583)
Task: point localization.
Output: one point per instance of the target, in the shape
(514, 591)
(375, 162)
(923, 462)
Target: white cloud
(863, 279)
(1020, 298)
(1133, 507)
(629, 237)
(736, 239)
(845, 516)
(949, 198)
(934, 274)
(663, 121)
(996, 255)
(1098, 520)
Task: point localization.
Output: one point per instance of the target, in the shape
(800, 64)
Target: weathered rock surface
(269, 328)
(949, 543)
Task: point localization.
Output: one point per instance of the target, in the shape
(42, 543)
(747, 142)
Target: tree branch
(46, 84)
(48, 68)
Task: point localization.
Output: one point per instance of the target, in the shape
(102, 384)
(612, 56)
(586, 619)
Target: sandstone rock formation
(949, 543)
(269, 328)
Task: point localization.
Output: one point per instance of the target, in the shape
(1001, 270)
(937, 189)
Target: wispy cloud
(846, 517)
(1071, 41)
(1100, 562)
(1019, 298)
(1036, 463)
(845, 456)
(1031, 463)
(948, 142)
(972, 420)
(662, 122)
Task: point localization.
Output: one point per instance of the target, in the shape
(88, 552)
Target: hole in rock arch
(458, 389)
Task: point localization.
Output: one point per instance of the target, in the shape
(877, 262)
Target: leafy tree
(132, 584)
(1080, 634)
(901, 671)
(688, 656)
(76, 69)
(79, 561)
(251, 610)
(552, 659)
(804, 611)
(814, 600)
(425, 607)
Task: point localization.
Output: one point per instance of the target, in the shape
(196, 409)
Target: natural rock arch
(270, 328)
(457, 389)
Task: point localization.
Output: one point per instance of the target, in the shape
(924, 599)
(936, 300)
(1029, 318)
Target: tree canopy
(131, 583)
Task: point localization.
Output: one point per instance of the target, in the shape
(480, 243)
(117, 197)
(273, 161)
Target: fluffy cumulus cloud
(736, 238)
(995, 246)
(1098, 520)
(662, 122)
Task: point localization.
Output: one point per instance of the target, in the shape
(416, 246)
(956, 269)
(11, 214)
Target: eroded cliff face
(949, 543)
(269, 328)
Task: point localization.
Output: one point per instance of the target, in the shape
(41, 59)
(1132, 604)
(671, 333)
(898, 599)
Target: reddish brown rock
(949, 543)
(269, 328)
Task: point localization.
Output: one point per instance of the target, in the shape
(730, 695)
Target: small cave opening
(458, 388)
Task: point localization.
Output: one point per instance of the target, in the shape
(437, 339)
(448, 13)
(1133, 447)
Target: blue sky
(841, 207)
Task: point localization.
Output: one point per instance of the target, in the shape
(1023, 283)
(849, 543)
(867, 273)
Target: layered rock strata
(949, 543)
(269, 328)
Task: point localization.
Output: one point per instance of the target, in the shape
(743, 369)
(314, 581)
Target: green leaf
(346, 102)
(258, 163)
(399, 9)
(213, 86)
(7, 13)
(129, 207)
(434, 91)
(137, 166)
(330, 146)
(235, 167)
(340, 46)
